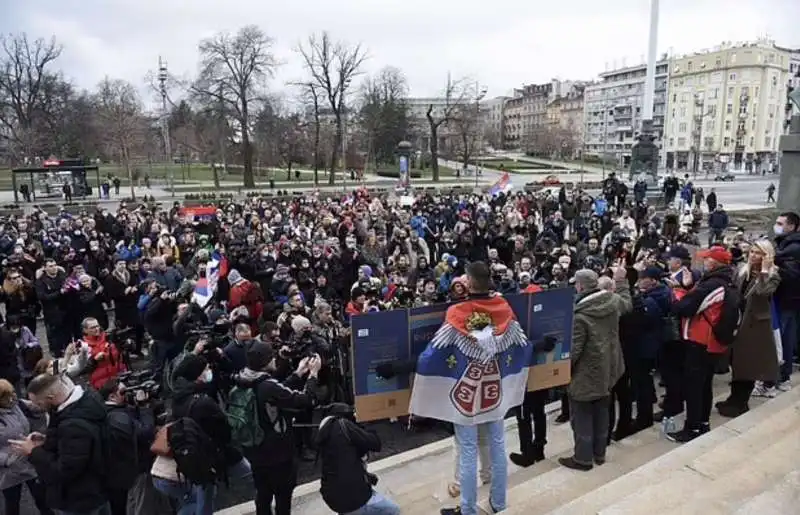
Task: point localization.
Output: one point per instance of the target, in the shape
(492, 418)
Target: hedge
(395, 174)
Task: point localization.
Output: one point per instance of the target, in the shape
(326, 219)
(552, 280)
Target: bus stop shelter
(47, 181)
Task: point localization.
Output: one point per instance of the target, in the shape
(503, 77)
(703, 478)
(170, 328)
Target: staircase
(743, 466)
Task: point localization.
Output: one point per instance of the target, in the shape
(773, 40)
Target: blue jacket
(642, 330)
(718, 220)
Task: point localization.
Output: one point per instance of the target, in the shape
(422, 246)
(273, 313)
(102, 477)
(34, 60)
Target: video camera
(122, 338)
(139, 381)
(213, 334)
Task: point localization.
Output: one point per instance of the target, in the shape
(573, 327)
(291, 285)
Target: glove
(385, 371)
(547, 344)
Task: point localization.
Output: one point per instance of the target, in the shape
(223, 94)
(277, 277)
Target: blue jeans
(790, 334)
(467, 441)
(197, 499)
(377, 505)
(102, 510)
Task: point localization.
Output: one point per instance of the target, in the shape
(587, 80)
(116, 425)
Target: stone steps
(716, 473)
(782, 497)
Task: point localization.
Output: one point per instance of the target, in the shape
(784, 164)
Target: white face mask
(208, 375)
(777, 229)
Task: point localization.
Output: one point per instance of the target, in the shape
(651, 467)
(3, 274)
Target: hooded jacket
(70, 463)
(342, 446)
(596, 354)
(700, 308)
(275, 399)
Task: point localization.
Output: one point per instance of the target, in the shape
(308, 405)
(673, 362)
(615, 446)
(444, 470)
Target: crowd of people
(186, 394)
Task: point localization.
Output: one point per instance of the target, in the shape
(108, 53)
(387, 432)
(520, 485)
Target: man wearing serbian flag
(473, 371)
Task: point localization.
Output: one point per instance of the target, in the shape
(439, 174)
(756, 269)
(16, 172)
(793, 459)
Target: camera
(122, 338)
(214, 335)
(139, 381)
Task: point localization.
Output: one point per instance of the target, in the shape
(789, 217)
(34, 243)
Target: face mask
(208, 375)
(777, 229)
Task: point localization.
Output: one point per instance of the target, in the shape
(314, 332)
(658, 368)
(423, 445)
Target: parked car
(727, 176)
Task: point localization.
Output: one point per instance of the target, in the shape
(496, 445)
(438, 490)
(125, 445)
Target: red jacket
(109, 366)
(701, 307)
(249, 295)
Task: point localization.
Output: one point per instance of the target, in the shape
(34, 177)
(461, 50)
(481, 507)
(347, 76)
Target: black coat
(126, 312)
(343, 444)
(70, 463)
(131, 460)
(9, 364)
(48, 291)
(787, 257)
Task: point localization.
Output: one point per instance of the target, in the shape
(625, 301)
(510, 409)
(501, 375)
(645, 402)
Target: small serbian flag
(776, 329)
(475, 367)
(503, 185)
(206, 287)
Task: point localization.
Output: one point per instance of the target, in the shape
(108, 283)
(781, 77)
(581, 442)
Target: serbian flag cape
(476, 366)
(206, 287)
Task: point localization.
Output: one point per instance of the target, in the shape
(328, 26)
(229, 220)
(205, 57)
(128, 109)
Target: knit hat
(259, 355)
(366, 270)
(234, 277)
(299, 323)
(191, 367)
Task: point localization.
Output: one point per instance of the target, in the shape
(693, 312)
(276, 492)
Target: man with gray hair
(597, 363)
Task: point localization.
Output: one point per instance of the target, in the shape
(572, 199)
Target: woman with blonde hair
(753, 354)
(16, 470)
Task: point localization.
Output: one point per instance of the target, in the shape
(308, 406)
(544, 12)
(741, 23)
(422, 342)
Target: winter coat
(596, 353)
(109, 366)
(277, 403)
(787, 257)
(343, 444)
(70, 463)
(642, 330)
(14, 469)
(701, 307)
(125, 309)
(753, 353)
(48, 291)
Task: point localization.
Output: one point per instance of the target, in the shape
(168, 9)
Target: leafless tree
(332, 65)
(25, 86)
(233, 70)
(465, 121)
(119, 118)
(383, 112)
(455, 95)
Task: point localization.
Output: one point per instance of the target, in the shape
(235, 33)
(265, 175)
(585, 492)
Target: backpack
(730, 316)
(242, 415)
(193, 450)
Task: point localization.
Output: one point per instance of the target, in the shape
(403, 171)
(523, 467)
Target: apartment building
(565, 121)
(726, 106)
(491, 120)
(612, 115)
(526, 112)
(793, 81)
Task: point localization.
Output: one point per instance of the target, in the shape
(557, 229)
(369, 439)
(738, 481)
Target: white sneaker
(785, 386)
(668, 426)
(764, 391)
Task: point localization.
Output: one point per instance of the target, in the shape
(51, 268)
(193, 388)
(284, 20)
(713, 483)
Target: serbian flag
(503, 185)
(776, 329)
(476, 366)
(198, 213)
(206, 287)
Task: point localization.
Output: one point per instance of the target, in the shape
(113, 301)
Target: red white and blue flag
(475, 367)
(503, 185)
(206, 287)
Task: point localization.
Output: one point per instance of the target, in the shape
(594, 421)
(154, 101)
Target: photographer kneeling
(345, 485)
(270, 448)
(131, 429)
(105, 357)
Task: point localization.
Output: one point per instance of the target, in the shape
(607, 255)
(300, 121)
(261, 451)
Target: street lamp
(479, 94)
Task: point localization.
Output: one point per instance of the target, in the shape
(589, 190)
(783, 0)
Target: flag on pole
(475, 367)
(503, 185)
(206, 287)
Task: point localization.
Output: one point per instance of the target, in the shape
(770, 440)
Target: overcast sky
(501, 43)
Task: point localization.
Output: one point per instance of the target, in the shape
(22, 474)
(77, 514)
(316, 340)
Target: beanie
(259, 355)
(299, 323)
(191, 367)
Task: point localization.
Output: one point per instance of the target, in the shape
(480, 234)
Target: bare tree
(332, 66)
(234, 70)
(384, 112)
(455, 95)
(465, 121)
(120, 120)
(24, 77)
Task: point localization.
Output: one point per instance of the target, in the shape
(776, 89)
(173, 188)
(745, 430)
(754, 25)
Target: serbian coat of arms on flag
(475, 367)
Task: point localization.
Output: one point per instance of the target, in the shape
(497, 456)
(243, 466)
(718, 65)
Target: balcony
(623, 128)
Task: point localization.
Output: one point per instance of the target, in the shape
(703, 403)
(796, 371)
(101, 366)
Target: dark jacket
(787, 257)
(70, 463)
(236, 352)
(700, 306)
(718, 220)
(642, 330)
(48, 291)
(158, 319)
(138, 427)
(9, 361)
(276, 402)
(342, 446)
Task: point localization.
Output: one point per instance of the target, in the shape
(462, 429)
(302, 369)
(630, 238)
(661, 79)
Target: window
(689, 66)
(708, 142)
(730, 91)
(755, 92)
(767, 141)
(733, 58)
(745, 91)
(672, 142)
(726, 142)
(718, 62)
(753, 125)
(682, 127)
(713, 93)
(727, 125)
(732, 76)
(752, 141)
(674, 97)
(681, 142)
(683, 111)
(729, 109)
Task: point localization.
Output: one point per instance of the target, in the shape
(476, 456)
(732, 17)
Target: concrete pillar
(789, 192)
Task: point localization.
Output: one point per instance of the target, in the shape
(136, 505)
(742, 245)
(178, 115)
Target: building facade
(526, 113)
(612, 114)
(792, 82)
(727, 107)
(492, 113)
(565, 121)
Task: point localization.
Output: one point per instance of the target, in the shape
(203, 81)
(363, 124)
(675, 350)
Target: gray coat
(753, 354)
(14, 469)
(596, 353)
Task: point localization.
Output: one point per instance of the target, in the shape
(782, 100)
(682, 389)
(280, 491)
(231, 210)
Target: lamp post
(479, 94)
